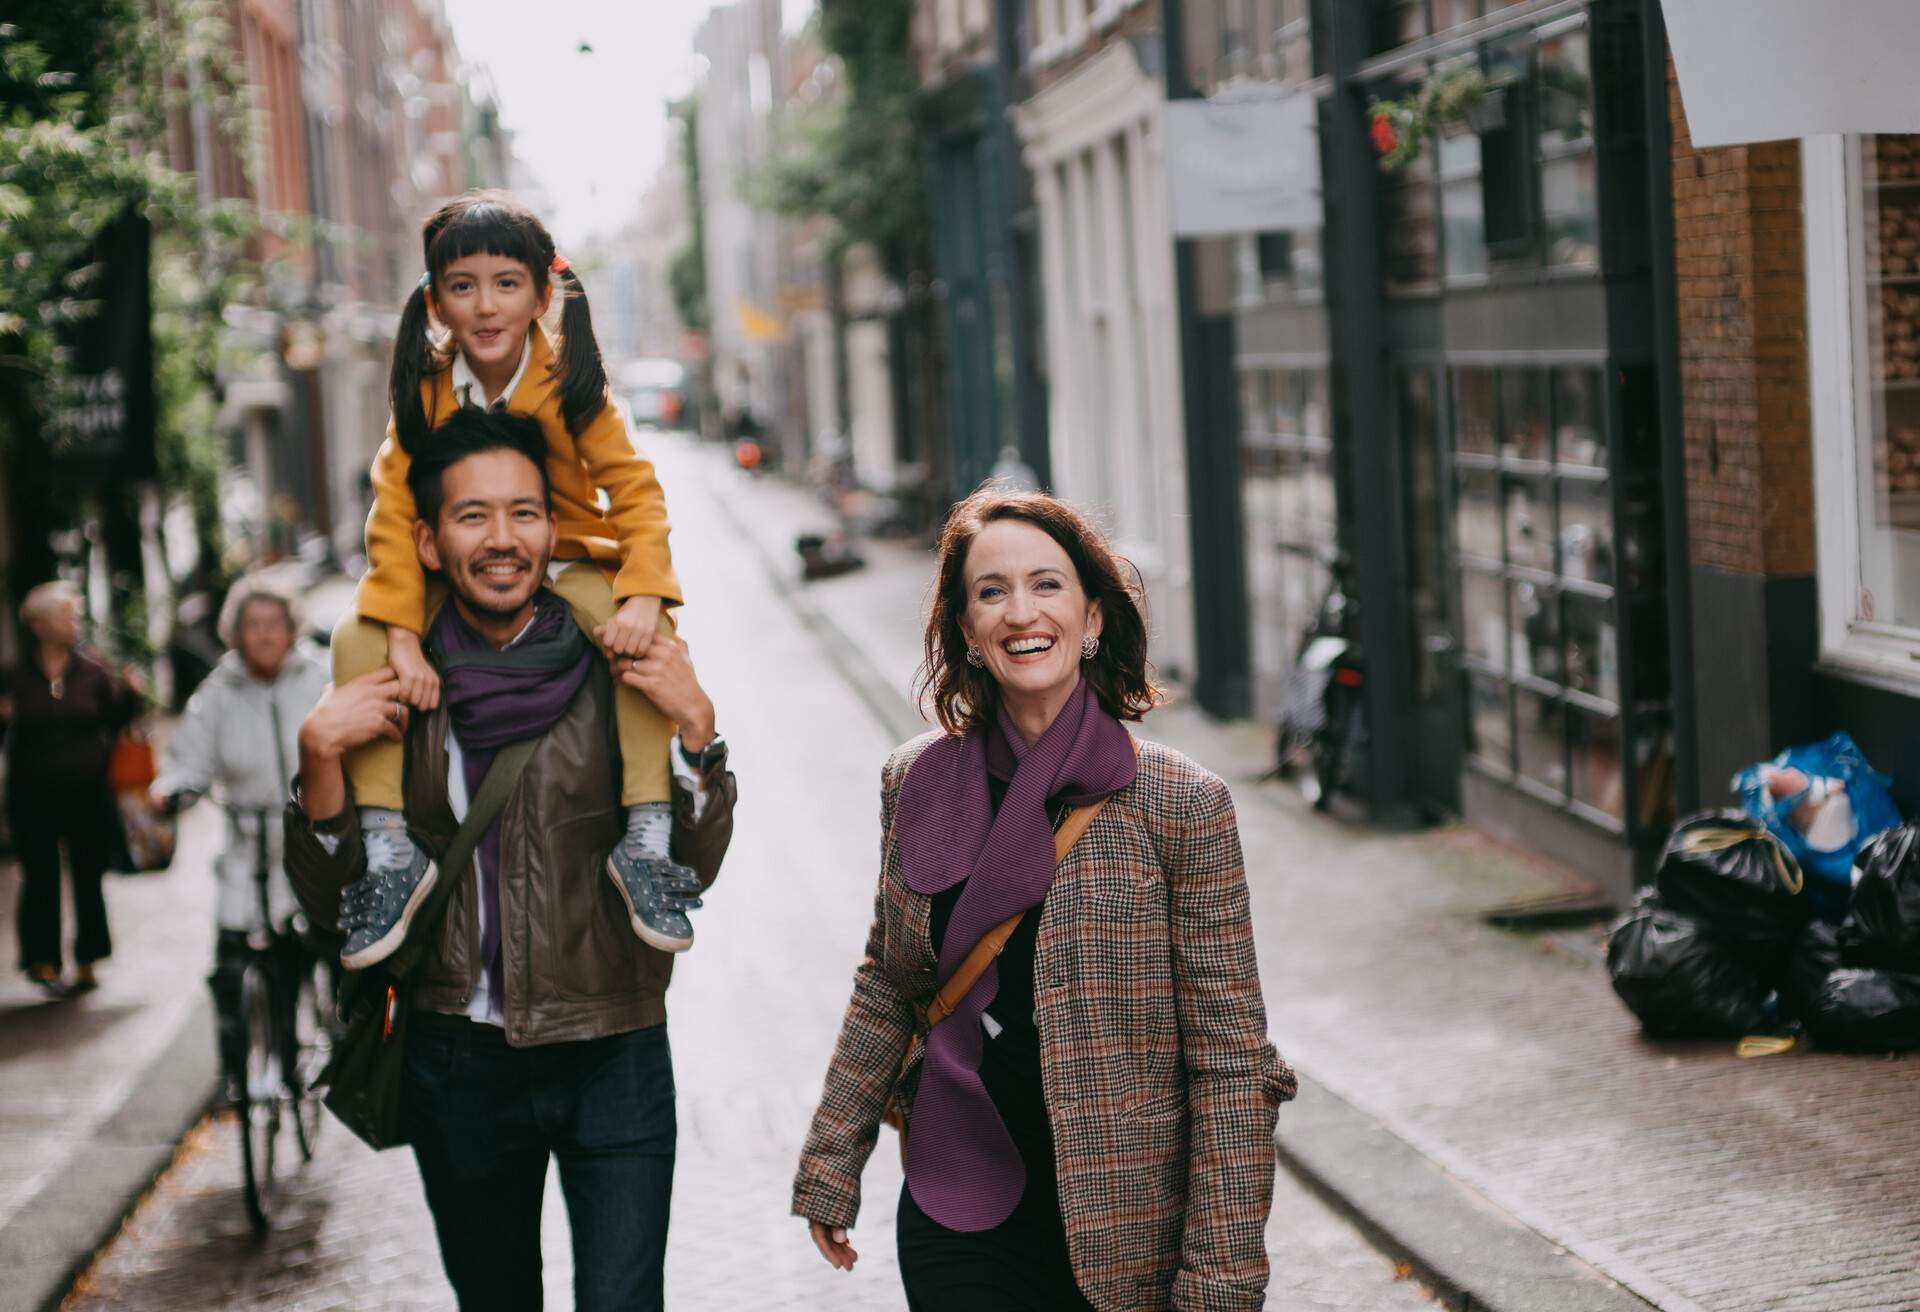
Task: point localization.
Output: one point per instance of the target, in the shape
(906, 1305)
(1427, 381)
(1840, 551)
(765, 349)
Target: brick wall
(1739, 261)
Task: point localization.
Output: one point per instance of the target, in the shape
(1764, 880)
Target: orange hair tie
(559, 264)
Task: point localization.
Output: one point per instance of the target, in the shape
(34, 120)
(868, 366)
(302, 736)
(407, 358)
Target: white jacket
(238, 742)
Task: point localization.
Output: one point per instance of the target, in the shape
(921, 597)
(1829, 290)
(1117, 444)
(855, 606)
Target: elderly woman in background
(66, 709)
(1092, 1125)
(239, 739)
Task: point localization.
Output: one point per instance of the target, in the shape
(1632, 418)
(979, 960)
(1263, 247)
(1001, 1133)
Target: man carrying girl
(491, 272)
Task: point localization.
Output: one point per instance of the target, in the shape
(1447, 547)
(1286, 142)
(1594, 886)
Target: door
(1438, 713)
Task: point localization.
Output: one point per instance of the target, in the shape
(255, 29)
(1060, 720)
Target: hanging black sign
(103, 418)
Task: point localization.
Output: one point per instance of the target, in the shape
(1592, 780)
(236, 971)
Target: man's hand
(632, 629)
(419, 681)
(665, 674)
(348, 715)
(833, 1245)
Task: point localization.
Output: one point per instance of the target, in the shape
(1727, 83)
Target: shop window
(1534, 539)
(1863, 300)
(1288, 509)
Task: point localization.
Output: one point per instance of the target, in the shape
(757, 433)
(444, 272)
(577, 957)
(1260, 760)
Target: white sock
(383, 831)
(650, 829)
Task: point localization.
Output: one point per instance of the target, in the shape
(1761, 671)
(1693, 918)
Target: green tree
(86, 89)
(687, 269)
(854, 157)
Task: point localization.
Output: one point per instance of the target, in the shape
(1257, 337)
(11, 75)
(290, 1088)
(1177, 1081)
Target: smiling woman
(1024, 570)
(1133, 944)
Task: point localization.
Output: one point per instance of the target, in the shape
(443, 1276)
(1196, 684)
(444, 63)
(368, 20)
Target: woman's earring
(974, 658)
(1089, 647)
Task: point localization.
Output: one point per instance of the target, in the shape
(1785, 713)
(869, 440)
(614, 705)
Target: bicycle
(287, 1014)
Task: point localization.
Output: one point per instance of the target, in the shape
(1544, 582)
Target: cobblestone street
(755, 1006)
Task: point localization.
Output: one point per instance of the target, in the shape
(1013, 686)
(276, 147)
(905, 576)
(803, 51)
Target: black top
(1010, 1058)
(55, 744)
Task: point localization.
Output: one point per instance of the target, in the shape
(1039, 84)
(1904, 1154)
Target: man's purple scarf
(495, 697)
(962, 1165)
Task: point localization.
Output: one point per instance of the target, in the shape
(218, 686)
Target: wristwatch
(707, 757)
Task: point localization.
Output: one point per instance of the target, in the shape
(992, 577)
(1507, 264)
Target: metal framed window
(1514, 196)
(1536, 555)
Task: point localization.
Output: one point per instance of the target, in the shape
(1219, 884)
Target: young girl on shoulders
(471, 335)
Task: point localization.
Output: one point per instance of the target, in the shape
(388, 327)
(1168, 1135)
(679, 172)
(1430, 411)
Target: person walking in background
(239, 739)
(65, 710)
(1092, 1124)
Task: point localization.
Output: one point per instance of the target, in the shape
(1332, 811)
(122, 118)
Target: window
(1534, 545)
(1256, 40)
(1516, 177)
(1288, 503)
(1277, 266)
(1863, 301)
(1397, 22)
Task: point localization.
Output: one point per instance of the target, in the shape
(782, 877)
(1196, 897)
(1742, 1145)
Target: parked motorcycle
(1323, 723)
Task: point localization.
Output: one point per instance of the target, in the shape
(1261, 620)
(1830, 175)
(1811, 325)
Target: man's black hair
(469, 431)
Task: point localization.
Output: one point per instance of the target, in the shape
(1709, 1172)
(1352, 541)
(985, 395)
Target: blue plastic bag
(1829, 870)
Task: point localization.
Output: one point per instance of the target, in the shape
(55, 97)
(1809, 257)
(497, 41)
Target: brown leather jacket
(574, 969)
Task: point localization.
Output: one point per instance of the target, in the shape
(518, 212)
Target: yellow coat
(631, 536)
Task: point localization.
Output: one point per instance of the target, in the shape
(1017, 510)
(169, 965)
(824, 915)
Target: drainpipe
(1673, 456)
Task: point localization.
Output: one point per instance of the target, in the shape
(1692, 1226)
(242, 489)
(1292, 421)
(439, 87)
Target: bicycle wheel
(260, 1097)
(312, 1047)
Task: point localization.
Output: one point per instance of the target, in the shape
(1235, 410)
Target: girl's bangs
(485, 230)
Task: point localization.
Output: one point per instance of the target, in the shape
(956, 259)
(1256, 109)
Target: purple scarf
(495, 697)
(962, 1165)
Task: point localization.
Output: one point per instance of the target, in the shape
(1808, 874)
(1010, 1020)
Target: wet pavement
(754, 1010)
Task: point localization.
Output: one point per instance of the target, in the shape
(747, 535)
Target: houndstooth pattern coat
(1157, 1072)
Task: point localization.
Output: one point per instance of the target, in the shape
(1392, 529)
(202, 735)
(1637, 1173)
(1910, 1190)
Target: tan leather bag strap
(996, 938)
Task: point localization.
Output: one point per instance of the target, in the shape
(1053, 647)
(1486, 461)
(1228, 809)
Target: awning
(1767, 70)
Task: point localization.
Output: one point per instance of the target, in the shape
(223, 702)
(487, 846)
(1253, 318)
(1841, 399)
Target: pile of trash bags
(1799, 911)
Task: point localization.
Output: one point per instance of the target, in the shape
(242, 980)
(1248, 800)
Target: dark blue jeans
(484, 1118)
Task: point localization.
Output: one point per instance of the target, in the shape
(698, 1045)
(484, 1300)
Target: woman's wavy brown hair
(964, 696)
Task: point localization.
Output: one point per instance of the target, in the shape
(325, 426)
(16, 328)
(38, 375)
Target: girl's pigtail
(582, 374)
(412, 360)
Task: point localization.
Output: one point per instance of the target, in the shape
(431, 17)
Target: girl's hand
(419, 684)
(833, 1245)
(630, 631)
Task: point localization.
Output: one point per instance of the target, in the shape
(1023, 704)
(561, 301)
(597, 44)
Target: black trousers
(484, 1118)
(1021, 1265)
(83, 821)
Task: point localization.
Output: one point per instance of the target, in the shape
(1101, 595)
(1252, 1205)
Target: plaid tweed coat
(1157, 1072)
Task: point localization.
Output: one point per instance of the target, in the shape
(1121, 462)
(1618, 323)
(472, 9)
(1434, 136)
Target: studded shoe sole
(383, 947)
(646, 933)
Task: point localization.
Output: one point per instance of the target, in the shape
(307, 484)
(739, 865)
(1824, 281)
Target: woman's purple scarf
(495, 697)
(962, 1165)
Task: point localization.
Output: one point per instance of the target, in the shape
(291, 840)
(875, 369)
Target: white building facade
(1093, 141)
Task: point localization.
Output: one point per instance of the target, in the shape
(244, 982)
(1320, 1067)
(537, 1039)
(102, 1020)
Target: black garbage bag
(1882, 928)
(1723, 869)
(1816, 955)
(1870, 1010)
(1681, 980)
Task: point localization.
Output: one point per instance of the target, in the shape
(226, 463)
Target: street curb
(1474, 1255)
(54, 1235)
